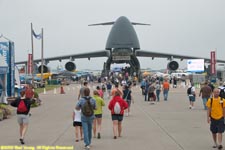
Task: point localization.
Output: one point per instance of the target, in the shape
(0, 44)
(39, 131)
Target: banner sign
(7, 65)
(195, 65)
(213, 62)
(29, 65)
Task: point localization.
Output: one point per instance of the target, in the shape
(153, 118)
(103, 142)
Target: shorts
(217, 126)
(192, 98)
(76, 123)
(151, 95)
(128, 102)
(117, 117)
(98, 116)
(22, 118)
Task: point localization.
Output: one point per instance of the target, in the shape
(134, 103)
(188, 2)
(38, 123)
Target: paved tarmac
(166, 125)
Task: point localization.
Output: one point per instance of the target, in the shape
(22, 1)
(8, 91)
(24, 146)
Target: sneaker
(22, 141)
(114, 137)
(220, 147)
(87, 147)
(190, 107)
(99, 136)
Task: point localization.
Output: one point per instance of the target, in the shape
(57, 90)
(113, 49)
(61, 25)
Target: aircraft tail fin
(135, 23)
(105, 23)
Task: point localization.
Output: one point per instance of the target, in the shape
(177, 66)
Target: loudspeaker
(45, 69)
(173, 65)
(70, 66)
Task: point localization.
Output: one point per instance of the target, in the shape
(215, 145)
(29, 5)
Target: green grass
(47, 88)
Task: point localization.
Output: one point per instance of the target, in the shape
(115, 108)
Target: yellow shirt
(99, 103)
(216, 108)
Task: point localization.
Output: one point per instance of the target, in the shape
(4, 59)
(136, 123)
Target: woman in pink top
(100, 92)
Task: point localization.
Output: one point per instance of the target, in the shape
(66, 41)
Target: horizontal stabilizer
(135, 23)
(106, 23)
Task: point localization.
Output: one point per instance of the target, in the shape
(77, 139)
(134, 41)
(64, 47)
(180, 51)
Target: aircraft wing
(102, 53)
(142, 53)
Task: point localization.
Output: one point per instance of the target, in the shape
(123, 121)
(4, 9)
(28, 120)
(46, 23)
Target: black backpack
(87, 108)
(222, 93)
(189, 90)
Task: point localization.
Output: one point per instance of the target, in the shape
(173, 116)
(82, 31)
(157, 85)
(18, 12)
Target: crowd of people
(87, 115)
(88, 112)
(213, 100)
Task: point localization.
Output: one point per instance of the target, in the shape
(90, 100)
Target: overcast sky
(189, 27)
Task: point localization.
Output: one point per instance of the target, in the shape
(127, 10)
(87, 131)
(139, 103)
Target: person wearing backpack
(222, 90)
(117, 105)
(87, 105)
(215, 116)
(191, 95)
(23, 108)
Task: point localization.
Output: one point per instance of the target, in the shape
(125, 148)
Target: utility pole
(32, 60)
(42, 56)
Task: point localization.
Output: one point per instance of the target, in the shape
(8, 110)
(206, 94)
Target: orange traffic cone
(62, 90)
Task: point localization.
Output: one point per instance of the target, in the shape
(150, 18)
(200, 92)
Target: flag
(37, 36)
(213, 62)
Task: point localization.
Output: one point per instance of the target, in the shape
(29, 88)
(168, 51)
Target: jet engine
(45, 69)
(70, 66)
(173, 65)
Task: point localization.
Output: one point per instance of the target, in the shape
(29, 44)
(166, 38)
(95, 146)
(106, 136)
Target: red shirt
(166, 85)
(122, 102)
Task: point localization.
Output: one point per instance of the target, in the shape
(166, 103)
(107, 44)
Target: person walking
(29, 93)
(143, 83)
(215, 116)
(116, 89)
(166, 87)
(100, 92)
(206, 93)
(147, 84)
(23, 108)
(77, 124)
(117, 118)
(81, 92)
(87, 105)
(222, 90)
(109, 88)
(128, 98)
(151, 93)
(191, 95)
(97, 123)
(158, 88)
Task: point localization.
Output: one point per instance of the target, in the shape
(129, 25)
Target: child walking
(77, 124)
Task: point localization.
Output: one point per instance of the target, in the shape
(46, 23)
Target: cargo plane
(122, 46)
